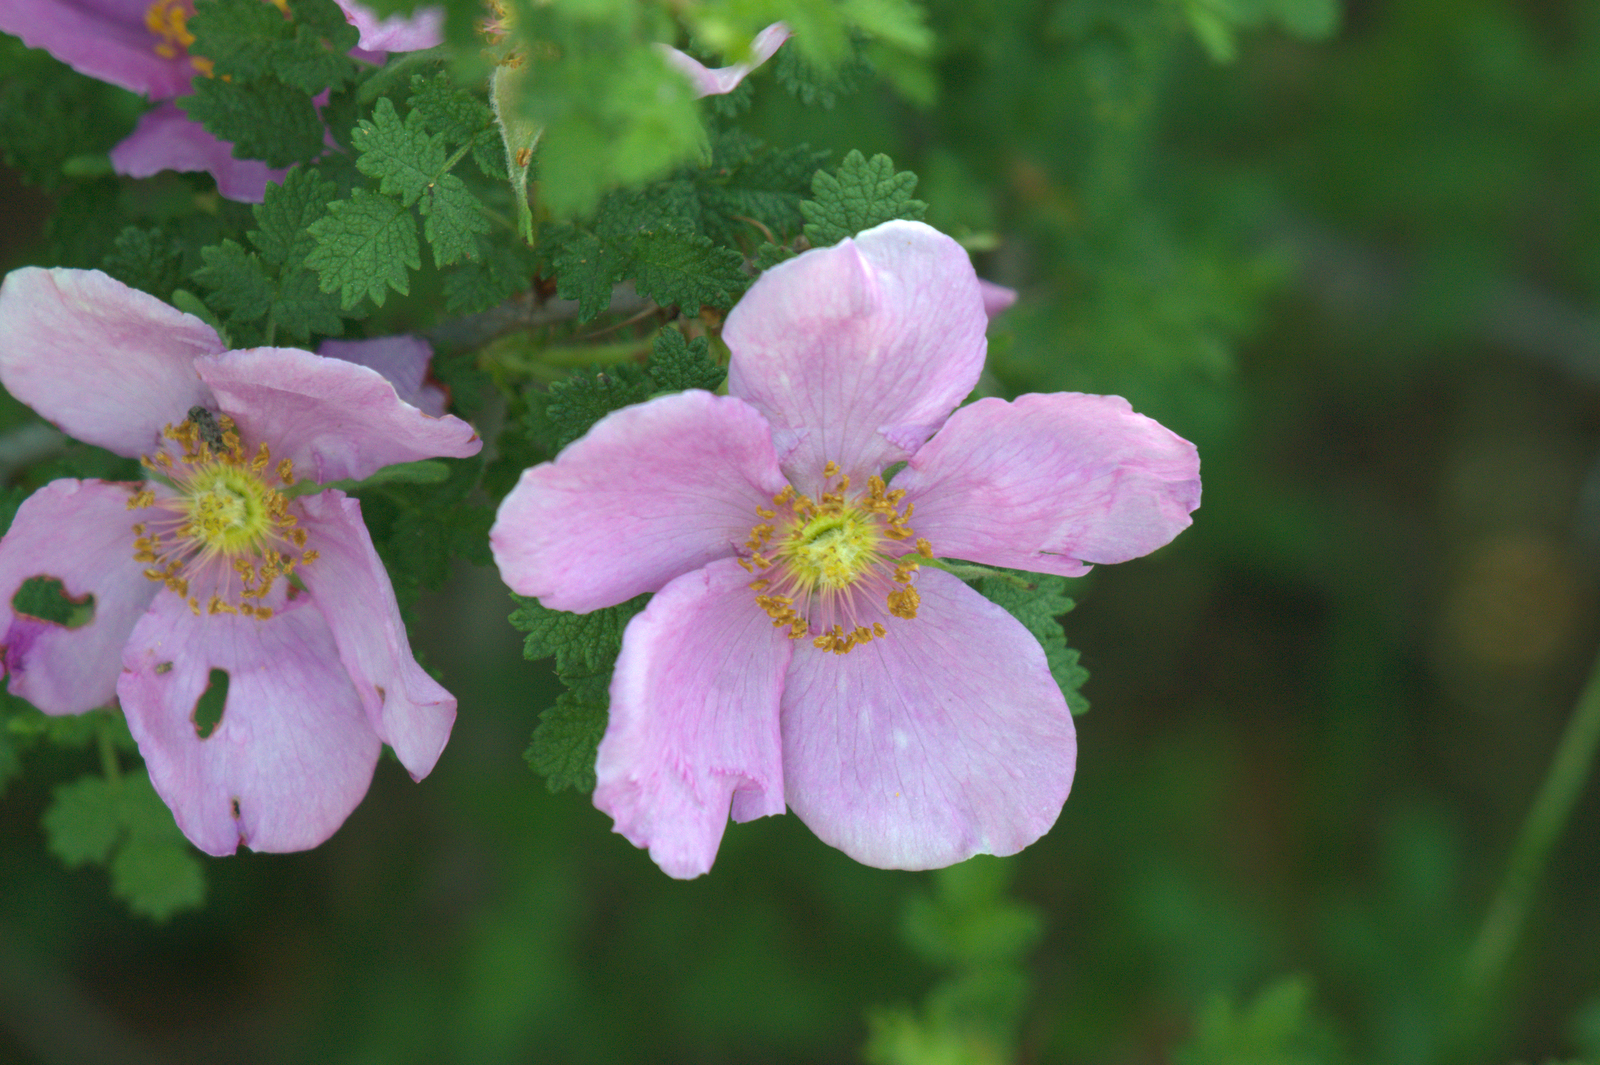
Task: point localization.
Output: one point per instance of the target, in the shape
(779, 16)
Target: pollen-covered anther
(224, 522)
(824, 561)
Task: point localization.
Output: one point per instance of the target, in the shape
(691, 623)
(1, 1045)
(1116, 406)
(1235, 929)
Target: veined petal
(424, 28)
(293, 753)
(1051, 482)
(105, 39)
(106, 363)
(694, 719)
(81, 534)
(947, 738)
(858, 352)
(403, 361)
(168, 139)
(333, 418)
(720, 80)
(406, 708)
(652, 492)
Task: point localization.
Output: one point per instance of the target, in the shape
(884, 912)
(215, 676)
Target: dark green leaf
(287, 212)
(672, 267)
(676, 363)
(263, 119)
(862, 194)
(364, 247)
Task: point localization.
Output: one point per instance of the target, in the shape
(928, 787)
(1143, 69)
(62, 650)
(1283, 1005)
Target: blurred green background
(1358, 265)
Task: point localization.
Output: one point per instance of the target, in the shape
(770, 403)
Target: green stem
(1569, 772)
(110, 765)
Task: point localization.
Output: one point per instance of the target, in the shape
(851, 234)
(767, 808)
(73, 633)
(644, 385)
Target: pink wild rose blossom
(220, 560)
(143, 46)
(794, 654)
(719, 81)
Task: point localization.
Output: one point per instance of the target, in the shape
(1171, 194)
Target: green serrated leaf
(400, 154)
(565, 742)
(862, 194)
(500, 270)
(238, 280)
(572, 406)
(585, 647)
(145, 259)
(83, 821)
(677, 364)
(672, 267)
(582, 644)
(248, 42)
(452, 217)
(365, 246)
(453, 113)
(585, 270)
(263, 119)
(302, 308)
(1037, 600)
(285, 214)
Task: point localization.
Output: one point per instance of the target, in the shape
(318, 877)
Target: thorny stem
(1568, 774)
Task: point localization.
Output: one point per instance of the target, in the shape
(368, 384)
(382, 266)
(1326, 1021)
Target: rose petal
(652, 492)
(333, 418)
(694, 719)
(406, 708)
(1051, 482)
(403, 361)
(996, 298)
(858, 352)
(716, 82)
(424, 28)
(81, 534)
(105, 39)
(946, 739)
(108, 364)
(293, 753)
(168, 139)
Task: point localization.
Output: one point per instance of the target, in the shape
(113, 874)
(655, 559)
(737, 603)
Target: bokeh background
(1358, 264)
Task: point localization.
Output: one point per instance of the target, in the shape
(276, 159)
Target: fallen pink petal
(803, 650)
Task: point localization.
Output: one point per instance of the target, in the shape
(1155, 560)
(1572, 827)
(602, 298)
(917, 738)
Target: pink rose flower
(794, 654)
(143, 46)
(218, 561)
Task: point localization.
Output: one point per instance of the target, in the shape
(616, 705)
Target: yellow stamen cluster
(828, 549)
(225, 521)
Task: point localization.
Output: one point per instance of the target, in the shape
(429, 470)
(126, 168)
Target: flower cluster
(803, 648)
(225, 558)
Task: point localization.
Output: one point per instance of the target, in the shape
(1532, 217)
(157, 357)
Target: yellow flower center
(224, 530)
(829, 552)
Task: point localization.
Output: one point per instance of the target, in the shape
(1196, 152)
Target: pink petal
(1050, 482)
(406, 708)
(652, 492)
(946, 739)
(106, 363)
(293, 753)
(424, 28)
(105, 39)
(168, 139)
(333, 418)
(694, 719)
(858, 352)
(403, 361)
(996, 298)
(716, 82)
(80, 533)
